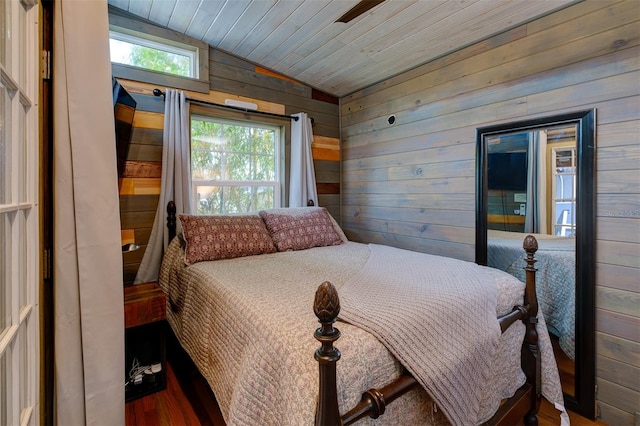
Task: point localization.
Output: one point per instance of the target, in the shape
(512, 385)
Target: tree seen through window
(130, 50)
(234, 166)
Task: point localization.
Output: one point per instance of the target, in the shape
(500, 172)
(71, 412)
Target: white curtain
(536, 211)
(175, 183)
(88, 297)
(302, 177)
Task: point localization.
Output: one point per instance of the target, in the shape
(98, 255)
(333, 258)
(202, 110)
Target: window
(155, 55)
(235, 166)
(145, 52)
(19, 233)
(564, 190)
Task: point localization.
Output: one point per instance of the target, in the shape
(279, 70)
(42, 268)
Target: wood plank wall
(411, 184)
(140, 183)
(230, 78)
(234, 75)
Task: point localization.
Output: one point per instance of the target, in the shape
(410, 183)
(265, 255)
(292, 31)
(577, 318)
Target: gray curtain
(175, 182)
(536, 211)
(88, 297)
(302, 177)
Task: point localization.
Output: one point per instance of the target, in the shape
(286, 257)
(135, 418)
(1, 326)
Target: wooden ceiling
(302, 40)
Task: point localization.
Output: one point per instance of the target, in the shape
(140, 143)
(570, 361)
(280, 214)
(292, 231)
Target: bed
(246, 320)
(555, 278)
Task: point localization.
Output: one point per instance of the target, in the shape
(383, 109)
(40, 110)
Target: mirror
(537, 177)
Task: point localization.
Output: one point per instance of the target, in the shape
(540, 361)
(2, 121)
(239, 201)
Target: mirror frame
(583, 401)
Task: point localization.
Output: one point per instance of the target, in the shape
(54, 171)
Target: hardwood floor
(187, 400)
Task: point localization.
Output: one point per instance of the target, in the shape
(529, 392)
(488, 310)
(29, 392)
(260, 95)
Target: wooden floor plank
(187, 400)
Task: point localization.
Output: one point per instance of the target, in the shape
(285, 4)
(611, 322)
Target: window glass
(22, 155)
(4, 160)
(22, 43)
(564, 183)
(234, 199)
(234, 166)
(4, 34)
(4, 396)
(4, 268)
(152, 55)
(21, 257)
(24, 369)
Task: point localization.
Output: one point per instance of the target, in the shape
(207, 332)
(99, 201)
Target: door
(19, 214)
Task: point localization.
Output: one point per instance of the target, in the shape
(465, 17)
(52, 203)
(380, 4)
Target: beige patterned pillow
(300, 228)
(224, 237)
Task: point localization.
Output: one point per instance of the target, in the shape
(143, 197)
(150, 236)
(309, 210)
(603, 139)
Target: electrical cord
(137, 371)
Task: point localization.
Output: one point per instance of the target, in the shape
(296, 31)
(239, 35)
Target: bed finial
(530, 244)
(326, 306)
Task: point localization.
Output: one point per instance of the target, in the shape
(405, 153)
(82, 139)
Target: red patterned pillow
(224, 237)
(300, 228)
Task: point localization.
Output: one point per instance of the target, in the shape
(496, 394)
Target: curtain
(88, 297)
(536, 211)
(175, 182)
(302, 179)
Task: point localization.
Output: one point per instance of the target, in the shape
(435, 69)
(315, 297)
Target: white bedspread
(248, 325)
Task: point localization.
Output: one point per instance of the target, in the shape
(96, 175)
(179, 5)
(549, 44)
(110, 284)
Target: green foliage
(158, 60)
(227, 152)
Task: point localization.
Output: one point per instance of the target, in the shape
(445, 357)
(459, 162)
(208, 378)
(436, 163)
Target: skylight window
(153, 55)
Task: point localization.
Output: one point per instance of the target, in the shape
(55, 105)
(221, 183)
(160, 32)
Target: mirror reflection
(531, 189)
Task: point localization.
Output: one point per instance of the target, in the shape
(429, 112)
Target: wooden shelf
(144, 304)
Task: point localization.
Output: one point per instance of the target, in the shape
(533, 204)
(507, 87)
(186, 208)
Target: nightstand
(145, 340)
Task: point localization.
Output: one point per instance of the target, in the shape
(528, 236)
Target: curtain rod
(158, 92)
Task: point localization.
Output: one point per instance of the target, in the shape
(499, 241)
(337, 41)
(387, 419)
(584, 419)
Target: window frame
(124, 23)
(131, 37)
(279, 184)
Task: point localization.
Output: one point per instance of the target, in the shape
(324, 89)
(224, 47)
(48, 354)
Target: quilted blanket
(248, 323)
(426, 304)
(555, 279)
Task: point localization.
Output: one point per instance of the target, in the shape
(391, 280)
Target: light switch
(523, 209)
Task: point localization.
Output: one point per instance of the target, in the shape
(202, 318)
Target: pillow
(300, 228)
(224, 237)
(338, 229)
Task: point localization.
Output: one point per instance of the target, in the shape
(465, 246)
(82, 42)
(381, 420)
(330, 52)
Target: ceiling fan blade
(358, 10)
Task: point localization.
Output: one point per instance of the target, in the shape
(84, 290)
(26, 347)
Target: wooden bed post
(326, 306)
(171, 219)
(530, 347)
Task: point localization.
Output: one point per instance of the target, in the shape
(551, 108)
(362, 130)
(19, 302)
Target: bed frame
(524, 404)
